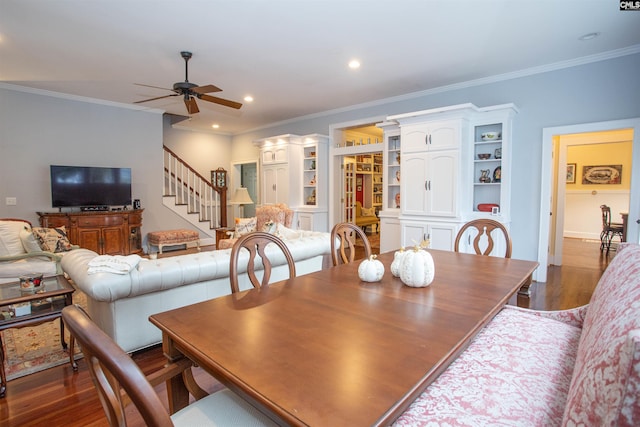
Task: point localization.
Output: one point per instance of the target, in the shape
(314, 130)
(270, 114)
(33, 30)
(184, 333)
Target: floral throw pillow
(245, 226)
(52, 239)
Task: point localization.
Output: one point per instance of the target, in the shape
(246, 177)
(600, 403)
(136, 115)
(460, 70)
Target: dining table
(326, 348)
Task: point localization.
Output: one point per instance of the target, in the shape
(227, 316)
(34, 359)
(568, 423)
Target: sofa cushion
(10, 243)
(29, 242)
(516, 371)
(52, 239)
(602, 391)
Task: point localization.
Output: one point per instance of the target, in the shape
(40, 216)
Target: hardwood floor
(60, 397)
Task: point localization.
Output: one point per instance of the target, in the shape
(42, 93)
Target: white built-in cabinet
(440, 184)
(293, 171)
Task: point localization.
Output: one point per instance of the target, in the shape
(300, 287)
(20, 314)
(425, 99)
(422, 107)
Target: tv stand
(104, 232)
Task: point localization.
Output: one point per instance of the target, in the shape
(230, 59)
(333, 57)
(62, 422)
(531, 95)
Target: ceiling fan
(191, 91)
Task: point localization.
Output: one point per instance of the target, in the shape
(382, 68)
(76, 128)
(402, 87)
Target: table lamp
(241, 197)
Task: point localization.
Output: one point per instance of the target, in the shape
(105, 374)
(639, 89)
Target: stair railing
(191, 189)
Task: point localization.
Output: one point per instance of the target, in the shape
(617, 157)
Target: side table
(42, 305)
(221, 233)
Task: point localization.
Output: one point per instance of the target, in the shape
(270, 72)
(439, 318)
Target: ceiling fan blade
(221, 101)
(192, 107)
(155, 87)
(206, 89)
(157, 97)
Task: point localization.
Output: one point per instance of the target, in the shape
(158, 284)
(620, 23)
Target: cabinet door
(305, 221)
(275, 184)
(440, 235)
(389, 234)
(431, 136)
(277, 154)
(430, 184)
(413, 194)
(113, 241)
(442, 183)
(89, 238)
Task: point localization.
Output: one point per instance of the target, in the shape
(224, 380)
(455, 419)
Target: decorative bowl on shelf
(490, 136)
(484, 156)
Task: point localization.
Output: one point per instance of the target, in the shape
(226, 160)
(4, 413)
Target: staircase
(189, 194)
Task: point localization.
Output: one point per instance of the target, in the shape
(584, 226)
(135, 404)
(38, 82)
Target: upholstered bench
(172, 237)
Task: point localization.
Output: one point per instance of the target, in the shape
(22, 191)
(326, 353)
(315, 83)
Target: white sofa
(122, 303)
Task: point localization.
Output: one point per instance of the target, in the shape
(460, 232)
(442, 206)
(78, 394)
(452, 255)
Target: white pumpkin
(371, 270)
(397, 262)
(417, 269)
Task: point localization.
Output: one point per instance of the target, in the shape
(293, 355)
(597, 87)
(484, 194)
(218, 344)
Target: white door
(414, 185)
(348, 188)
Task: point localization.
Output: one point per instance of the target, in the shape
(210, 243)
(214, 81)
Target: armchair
(278, 214)
(21, 254)
(363, 221)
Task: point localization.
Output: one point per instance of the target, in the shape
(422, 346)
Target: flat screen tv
(83, 186)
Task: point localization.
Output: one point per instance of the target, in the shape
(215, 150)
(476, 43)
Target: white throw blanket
(116, 264)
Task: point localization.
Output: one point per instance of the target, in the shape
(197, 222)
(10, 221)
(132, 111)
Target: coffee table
(34, 307)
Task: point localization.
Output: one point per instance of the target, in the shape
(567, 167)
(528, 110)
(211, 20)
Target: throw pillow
(270, 227)
(29, 241)
(245, 226)
(52, 239)
(368, 211)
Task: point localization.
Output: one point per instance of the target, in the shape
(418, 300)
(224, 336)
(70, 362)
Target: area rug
(374, 241)
(36, 348)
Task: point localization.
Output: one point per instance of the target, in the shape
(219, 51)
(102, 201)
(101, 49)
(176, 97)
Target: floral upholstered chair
(266, 216)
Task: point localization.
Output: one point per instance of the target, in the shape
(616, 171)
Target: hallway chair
(609, 229)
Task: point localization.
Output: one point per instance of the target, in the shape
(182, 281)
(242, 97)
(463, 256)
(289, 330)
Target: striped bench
(172, 237)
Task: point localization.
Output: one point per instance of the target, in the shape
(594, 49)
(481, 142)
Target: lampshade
(241, 197)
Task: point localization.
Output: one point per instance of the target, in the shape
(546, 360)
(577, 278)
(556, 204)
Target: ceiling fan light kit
(191, 91)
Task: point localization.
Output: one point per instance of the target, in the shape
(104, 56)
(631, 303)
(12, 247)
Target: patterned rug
(36, 348)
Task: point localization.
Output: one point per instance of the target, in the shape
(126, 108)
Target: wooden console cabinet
(104, 232)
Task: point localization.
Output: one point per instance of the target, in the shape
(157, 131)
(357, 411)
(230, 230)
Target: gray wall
(38, 130)
(594, 92)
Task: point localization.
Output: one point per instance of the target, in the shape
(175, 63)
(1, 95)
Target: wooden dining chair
(256, 243)
(609, 229)
(484, 227)
(344, 234)
(120, 381)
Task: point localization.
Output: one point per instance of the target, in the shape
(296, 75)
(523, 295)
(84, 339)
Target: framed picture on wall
(571, 173)
(602, 174)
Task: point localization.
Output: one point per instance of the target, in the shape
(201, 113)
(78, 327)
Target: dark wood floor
(60, 397)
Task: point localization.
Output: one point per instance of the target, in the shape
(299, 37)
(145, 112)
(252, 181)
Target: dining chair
(345, 234)
(609, 229)
(484, 227)
(119, 381)
(256, 243)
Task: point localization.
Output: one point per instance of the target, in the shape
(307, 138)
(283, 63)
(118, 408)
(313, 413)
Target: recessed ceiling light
(215, 126)
(354, 64)
(248, 98)
(589, 36)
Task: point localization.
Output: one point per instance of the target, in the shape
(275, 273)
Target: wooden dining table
(326, 349)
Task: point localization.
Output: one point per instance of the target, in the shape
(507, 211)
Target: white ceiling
(292, 55)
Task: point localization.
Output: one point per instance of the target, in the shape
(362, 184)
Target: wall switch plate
(11, 201)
